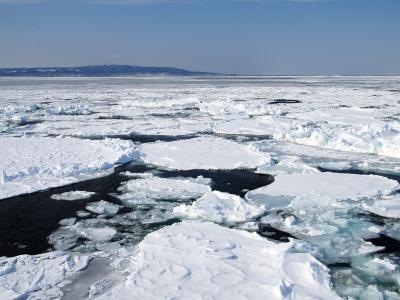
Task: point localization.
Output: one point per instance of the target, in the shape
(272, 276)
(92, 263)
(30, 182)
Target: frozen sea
(200, 188)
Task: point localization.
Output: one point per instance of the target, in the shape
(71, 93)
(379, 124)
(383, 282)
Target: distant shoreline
(99, 71)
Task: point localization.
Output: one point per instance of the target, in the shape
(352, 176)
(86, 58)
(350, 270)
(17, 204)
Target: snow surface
(193, 260)
(203, 153)
(220, 207)
(29, 164)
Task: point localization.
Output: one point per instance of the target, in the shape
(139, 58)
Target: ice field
(200, 188)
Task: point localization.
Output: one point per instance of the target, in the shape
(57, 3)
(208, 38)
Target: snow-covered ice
(193, 260)
(203, 153)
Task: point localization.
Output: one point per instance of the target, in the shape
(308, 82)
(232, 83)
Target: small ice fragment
(67, 222)
(71, 196)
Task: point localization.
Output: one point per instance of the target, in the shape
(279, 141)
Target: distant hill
(104, 70)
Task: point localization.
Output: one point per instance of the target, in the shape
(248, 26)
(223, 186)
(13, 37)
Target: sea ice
(203, 153)
(220, 207)
(192, 260)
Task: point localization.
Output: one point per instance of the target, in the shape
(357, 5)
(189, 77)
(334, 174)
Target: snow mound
(40, 276)
(71, 196)
(220, 207)
(70, 109)
(193, 260)
(151, 188)
(29, 164)
(203, 153)
(330, 186)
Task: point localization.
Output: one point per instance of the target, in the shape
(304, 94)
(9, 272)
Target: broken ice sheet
(39, 276)
(323, 208)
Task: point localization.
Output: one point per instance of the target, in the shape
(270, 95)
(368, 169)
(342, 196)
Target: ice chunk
(103, 208)
(36, 163)
(151, 188)
(74, 195)
(220, 208)
(193, 260)
(203, 153)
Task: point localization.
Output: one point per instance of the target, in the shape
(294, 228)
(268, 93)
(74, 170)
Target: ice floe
(192, 260)
(220, 207)
(203, 153)
(29, 164)
(328, 186)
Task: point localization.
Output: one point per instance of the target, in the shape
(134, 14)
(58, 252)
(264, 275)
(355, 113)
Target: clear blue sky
(231, 36)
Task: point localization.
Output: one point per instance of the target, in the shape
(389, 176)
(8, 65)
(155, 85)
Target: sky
(260, 37)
